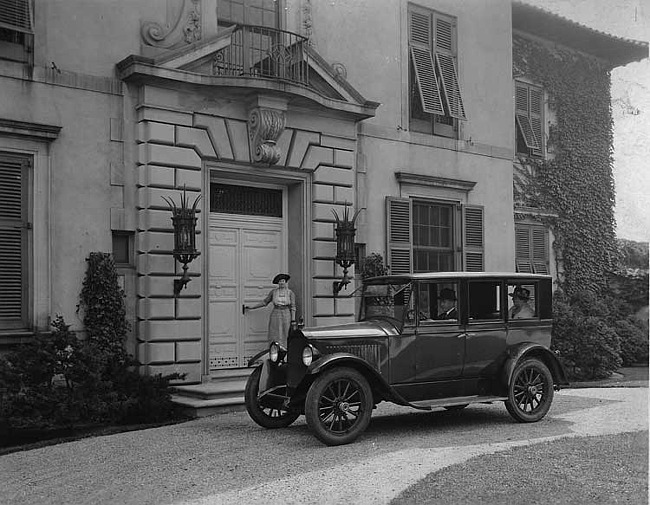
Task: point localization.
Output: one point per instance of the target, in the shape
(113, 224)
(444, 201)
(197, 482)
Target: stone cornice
(34, 131)
(434, 181)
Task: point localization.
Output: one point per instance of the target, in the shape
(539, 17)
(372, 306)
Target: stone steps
(223, 393)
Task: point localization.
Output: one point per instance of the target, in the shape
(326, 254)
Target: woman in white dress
(283, 316)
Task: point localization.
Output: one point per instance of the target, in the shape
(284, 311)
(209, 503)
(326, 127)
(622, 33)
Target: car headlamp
(307, 355)
(274, 352)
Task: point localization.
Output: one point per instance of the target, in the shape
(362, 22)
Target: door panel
(440, 352)
(244, 256)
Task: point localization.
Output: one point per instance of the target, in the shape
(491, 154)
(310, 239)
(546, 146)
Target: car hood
(377, 328)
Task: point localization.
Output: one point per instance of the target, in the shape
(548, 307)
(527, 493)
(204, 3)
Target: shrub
(583, 334)
(58, 380)
(373, 265)
(634, 341)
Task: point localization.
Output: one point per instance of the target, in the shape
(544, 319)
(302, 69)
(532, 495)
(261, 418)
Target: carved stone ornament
(182, 26)
(264, 128)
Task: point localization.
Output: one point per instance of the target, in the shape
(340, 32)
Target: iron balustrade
(260, 51)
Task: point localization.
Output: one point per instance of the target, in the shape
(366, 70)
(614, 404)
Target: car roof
(516, 276)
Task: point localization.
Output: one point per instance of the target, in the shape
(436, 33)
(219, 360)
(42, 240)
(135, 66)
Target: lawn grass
(595, 470)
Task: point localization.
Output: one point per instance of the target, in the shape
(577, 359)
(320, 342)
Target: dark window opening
(245, 200)
(433, 237)
(123, 248)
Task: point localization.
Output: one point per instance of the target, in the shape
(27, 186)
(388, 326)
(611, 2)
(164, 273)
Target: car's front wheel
(264, 414)
(530, 391)
(338, 406)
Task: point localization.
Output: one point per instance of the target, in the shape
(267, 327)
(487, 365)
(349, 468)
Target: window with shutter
(435, 98)
(531, 249)
(421, 236)
(16, 30)
(529, 124)
(13, 241)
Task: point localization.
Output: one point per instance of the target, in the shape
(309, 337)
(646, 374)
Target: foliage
(634, 255)
(58, 380)
(576, 180)
(634, 341)
(585, 335)
(373, 266)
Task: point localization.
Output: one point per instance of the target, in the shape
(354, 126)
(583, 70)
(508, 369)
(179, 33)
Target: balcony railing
(260, 51)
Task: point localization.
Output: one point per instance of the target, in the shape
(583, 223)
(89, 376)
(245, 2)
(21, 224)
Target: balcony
(263, 52)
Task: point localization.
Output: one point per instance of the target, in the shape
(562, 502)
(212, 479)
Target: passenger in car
(520, 309)
(447, 304)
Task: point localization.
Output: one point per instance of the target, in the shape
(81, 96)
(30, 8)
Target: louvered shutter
(522, 250)
(444, 48)
(535, 113)
(540, 250)
(473, 238)
(398, 234)
(420, 37)
(16, 15)
(522, 111)
(13, 228)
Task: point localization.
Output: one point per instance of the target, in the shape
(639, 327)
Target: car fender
(257, 359)
(377, 382)
(530, 350)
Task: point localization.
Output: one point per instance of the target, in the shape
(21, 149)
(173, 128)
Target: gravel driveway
(228, 459)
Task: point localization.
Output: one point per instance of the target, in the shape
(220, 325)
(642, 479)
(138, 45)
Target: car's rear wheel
(338, 406)
(530, 391)
(263, 413)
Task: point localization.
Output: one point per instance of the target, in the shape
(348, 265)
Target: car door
(485, 348)
(440, 341)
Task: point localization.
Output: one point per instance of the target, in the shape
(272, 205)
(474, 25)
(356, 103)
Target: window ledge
(14, 337)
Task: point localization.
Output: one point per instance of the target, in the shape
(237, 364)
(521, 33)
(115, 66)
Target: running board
(457, 400)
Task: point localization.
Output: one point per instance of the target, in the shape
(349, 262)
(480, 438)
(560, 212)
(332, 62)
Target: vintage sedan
(426, 340)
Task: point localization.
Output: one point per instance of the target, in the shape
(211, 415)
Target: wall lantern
(184, 221)
(345, 231)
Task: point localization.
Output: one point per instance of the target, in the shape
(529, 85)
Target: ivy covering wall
(575, 181)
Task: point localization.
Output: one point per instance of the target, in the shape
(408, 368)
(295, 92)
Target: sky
(630, 105)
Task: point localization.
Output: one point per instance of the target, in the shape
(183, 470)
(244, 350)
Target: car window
(437, 301)
(485, 300)
(385, 300)
(522, 301)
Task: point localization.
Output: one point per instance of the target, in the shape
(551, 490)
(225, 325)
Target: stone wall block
(155, 285)
(153, 197)
(189, 307)
(155, 241)
(344, 194)
(342, 305)
(323, 193)
(190, 179)
(323, 231)
(339, 143)
(161, 133)
(324, 249)
(323, 268)
(152, 308)
(152, 219)
(170, 330)
(302, 140)
(336, 176)
(323, 287)
(218, 132)
(170, 156)
(157, 352)
(239, 138)
(195, 138)
(317, 156)
(344, 159)
(155, 263)
(323, 306)
(149, 175)
(164, 116)
(188, 351)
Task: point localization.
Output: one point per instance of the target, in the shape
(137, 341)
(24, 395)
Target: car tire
(530, 392)
(338, 406)
(266, 417)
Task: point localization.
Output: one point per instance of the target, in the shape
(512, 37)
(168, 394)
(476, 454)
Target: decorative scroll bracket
(183, 25)
(265, 125)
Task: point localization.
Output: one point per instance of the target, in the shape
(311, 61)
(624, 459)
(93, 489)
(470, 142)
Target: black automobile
(428, 340)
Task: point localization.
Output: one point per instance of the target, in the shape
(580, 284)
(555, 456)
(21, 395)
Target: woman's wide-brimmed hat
(279, 277)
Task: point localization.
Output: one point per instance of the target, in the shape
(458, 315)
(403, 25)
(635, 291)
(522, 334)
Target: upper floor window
(435, 100)
(16, 30)
(249, 12)
(529, 119)
(531, 249)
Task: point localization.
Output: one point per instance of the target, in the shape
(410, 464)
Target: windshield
(386, 300)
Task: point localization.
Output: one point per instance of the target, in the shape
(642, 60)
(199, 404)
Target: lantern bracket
(345, 232)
